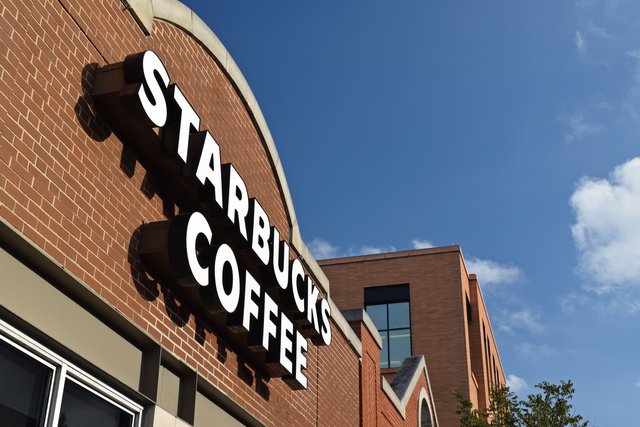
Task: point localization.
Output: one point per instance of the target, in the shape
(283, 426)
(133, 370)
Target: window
(25, 387)
(425, 414)
(388, 307)
(38, 388)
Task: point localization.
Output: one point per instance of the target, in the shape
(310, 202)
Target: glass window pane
(399, 347)
(384, 354)
(378, 314)
(80, 406)
(24, 385)
(399, 315)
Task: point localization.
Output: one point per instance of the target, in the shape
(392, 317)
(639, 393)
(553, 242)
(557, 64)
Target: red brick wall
(69, 187)
(482, 348)
(371, 386)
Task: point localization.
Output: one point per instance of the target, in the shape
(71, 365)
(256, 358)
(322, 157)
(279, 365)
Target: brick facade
(74, 192)
(457, 353)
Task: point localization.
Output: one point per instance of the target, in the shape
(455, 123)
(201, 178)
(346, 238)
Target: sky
(508, 127)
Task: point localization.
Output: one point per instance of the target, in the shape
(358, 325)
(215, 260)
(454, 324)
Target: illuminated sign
(224, 254)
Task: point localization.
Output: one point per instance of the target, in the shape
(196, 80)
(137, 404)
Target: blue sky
(507, 127)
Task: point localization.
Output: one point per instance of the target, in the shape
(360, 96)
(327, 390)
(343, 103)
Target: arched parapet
(176, 13)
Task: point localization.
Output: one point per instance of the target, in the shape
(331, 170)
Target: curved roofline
(176, 13)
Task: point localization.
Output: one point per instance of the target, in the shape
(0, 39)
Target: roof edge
(391, 255)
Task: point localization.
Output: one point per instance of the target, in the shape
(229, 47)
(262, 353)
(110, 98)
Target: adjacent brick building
(449, 323)
(88, 332)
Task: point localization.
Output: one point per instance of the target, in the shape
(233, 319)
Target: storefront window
(80, 404)
(24, 388)
(388, 308)
(31, 374)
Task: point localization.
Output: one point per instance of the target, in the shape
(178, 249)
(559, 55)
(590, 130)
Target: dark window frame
(387, 295)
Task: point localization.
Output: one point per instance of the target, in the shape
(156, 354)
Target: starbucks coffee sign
(222, 252)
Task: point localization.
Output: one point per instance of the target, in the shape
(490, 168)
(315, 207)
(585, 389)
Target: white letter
(268, 326)
(209, 167)
(188, 118)
(312, 309)
(286, 333)
(260, 233)
(238, 202)
(282, 274)
(325, 309)
(196, 226)
(301, 359)
(226, 256)
(251, 309)
(297, 274)
(156, 107)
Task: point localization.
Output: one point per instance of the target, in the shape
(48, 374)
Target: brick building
(141, 283)
(425, 302)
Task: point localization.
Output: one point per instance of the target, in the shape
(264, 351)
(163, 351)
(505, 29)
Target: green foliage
(550, 408)
(504, 410)
(469, 417)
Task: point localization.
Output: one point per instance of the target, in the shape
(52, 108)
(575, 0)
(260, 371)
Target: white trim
(400, 402)
(424, 396)
(393, 397)
(59, 390)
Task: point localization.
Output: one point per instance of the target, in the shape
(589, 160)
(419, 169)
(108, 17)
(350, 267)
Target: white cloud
(524, 319)
(488, 272)
(370, 250)
(579, 128)
(535, 351)
(581, 43)
(569, 303)
(589, 31)
(516, 384)
(421, 244)
(607, 228)
(491, 273)
(610, 7)
(597, 31)
(321, 249)
(631, 105)
(633, 53)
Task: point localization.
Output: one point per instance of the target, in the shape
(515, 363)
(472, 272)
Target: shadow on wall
(98, 130)
(88, 118)
(146, 285)
(179, 313)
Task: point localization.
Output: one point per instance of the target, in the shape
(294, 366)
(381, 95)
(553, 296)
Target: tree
(469, 417)
(550, 408)
(504, 409)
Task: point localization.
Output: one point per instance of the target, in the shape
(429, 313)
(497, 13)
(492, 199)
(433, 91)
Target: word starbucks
(199, 258)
